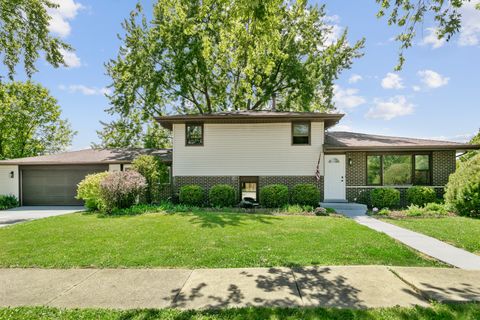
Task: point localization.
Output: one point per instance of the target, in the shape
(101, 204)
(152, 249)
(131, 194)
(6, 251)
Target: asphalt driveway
(22, 214)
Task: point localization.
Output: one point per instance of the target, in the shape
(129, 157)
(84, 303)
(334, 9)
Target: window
(398, 169)
(194, 134)
(422, 169)
(374, 170)
(300, 133)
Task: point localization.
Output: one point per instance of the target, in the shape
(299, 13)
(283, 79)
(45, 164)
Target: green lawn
(466, 311)
(198, 240)
(458, 231)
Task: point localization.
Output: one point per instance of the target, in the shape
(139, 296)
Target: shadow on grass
(215, 219)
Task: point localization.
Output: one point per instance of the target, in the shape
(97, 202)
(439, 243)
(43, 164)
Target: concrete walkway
(341, 287)
(22, 214)
(430, 246)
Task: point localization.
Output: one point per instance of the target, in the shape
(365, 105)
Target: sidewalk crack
(417, 291)
(73, 287)
(174, 300)
(297, 286)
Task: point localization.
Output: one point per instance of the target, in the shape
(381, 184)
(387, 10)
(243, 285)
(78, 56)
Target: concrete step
(345, 207)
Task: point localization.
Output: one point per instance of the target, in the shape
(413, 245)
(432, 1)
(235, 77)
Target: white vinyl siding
(255, 149)
(114, 167)
(8, 185)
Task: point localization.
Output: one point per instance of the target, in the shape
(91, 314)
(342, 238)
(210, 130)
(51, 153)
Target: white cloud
(61, 16)
(416, 88)
(355, 78)
(432, 39)
(470, 31)
(392, 81)
(347, 98)
(432, 79)
(71, 59)
(335, 29)
(85, 90)
(388, 109)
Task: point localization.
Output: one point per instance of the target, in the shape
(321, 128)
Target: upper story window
(301, 133)
(194, 134)
(398, 169)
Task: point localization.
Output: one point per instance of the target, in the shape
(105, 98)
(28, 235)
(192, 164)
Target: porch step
(345, 207)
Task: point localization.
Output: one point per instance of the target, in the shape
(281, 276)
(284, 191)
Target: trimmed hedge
(222, 195)
(385, 198)
(306, 194)
(463, 188)
(274, 196)
(192, 195)
(420, 196)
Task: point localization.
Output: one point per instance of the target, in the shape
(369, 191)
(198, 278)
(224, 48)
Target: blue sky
(436, 95)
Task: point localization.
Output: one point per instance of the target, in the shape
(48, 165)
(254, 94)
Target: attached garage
(53, 179)
(54, 185)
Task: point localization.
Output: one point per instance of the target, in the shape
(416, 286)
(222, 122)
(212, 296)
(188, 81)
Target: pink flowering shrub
(121, 190)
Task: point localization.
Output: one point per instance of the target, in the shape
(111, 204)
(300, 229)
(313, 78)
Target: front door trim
(335, 180)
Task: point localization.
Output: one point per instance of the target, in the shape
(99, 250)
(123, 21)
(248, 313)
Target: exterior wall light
(350, 162)
(12, 174)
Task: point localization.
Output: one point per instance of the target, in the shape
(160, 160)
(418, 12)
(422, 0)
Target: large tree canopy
(410, 15)
(30, 122)
(206, 56)
(203, 56)
(24, 35)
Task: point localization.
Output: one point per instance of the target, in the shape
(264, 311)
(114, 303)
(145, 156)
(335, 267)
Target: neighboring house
(53, 179)
(248, 150)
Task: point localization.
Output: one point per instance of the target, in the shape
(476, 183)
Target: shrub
(222, 195)
(155, 173)
(420, 196)
(319, 211)
(8, 202)
(306, 195)
(192, 195)
(385, 198)
(414, 210)
(463, 188)
(88, 190)
(436, 208)
(274, 196)
(384, 212)
(121, 190)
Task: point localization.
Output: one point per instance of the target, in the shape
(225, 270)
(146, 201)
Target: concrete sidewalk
(342, 287)
(430, 246)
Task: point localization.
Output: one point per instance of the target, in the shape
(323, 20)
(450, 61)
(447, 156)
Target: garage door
(54, 185)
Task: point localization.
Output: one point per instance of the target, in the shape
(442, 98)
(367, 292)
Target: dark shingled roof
(93, 156)
(351, 141)
(250, 116)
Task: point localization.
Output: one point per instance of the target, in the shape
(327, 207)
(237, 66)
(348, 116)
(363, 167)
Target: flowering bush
(121, 190)
(89, 190)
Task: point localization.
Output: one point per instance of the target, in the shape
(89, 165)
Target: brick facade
(443, 164)
(234, 181)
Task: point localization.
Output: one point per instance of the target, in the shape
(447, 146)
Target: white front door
(334, 177)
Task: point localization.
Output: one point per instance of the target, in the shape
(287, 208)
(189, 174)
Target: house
(251, 149)
(53, 179)
(248, 150)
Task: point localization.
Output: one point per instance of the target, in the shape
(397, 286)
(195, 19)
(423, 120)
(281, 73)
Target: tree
(131, 132)
(210, 55)
(24, 35)
(30, 122)
(408, 14)
(470, 154)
